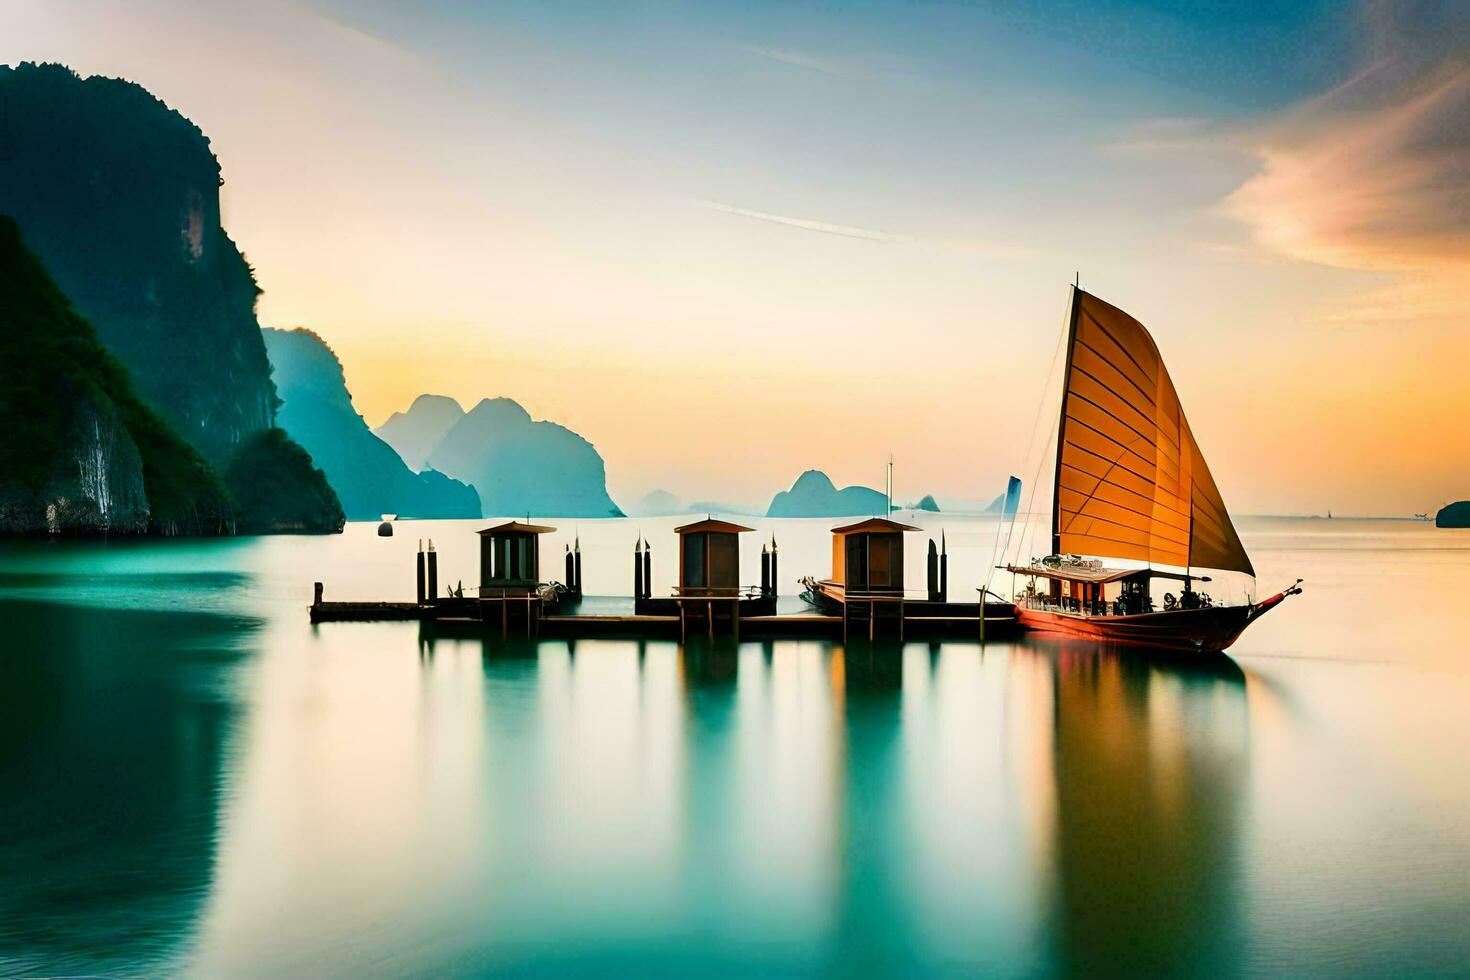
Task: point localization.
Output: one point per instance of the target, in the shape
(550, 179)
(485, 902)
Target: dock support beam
(647, 570)
(774, 577)
(432, 559)
(419, 568)
(933, 568)
(638, 569)
(577, 563)
(943, 569)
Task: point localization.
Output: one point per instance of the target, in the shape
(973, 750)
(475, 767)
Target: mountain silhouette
(369, 477)
(519, 466)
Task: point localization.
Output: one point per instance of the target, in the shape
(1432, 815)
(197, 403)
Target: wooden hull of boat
(1210, 630)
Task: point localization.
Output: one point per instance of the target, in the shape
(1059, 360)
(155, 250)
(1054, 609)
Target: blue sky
(751, 212)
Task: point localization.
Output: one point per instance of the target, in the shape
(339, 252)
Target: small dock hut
(709, 558)
(510, 572)
(510, 557)
(867, 572)
(867, 557)
(709, 573)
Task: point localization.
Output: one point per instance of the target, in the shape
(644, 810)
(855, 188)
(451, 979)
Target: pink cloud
(1374, 174)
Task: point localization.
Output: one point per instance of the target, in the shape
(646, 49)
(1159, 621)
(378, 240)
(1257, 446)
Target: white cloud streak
(807, 224)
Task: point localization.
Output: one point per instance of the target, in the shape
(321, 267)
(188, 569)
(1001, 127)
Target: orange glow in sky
(726, 247)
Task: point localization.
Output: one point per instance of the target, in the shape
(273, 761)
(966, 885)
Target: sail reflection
(1150, 757)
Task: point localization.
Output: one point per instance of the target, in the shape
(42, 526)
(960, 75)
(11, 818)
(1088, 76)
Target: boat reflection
(1150, 756)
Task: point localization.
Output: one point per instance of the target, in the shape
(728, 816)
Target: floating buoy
(385, 529)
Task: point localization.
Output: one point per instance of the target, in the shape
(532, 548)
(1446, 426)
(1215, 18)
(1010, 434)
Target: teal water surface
(198, 781)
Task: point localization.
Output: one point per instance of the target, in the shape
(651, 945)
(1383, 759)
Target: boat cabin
(1090, 589)
(709, 557)
(867, 557)
(510, 557)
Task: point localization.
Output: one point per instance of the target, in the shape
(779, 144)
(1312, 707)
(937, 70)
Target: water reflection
(115, 728)
(1150, 762)
(197, 781)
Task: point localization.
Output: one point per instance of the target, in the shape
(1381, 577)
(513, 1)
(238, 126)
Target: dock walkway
(614, 616)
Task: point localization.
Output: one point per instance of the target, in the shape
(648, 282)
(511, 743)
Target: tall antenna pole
(890, 487)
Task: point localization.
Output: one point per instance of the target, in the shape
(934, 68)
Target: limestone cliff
(119, 197)
(814, 495)
(520, 466)
(79, 450)
(415, 433)
(368, 476)
(1456, 514)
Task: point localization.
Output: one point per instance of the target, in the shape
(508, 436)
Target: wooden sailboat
(1131, 485)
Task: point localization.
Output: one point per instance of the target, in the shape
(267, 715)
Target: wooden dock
(566, 620)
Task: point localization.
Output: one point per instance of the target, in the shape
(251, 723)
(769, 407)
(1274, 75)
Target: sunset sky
(730, 241)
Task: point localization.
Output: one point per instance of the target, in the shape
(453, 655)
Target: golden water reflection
(556, 806)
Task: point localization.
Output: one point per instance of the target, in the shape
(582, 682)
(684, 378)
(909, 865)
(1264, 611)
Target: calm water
(197, 780)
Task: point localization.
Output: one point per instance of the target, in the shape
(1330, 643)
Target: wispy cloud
(798, 59)
(1374, 174)
(808, 224)
(989, 249)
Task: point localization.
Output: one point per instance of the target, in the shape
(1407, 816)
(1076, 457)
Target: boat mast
(1056, 502)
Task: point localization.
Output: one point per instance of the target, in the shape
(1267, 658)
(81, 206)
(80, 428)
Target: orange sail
(1131, 481)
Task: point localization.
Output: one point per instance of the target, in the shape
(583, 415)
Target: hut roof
(878, 524)
(713, 525)
(516, 526)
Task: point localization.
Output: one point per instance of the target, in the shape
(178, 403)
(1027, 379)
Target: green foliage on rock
(79, 449)
(119, 196)
(277, 489)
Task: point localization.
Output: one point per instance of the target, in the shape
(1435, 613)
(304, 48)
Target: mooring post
(571, 574)
(933, 577)
(316, 594)
(577, 562)
(774, 579)
(638, 569)
(432, 589)
(943, 569)
(647, 570)
(765, 571)
(419, 569)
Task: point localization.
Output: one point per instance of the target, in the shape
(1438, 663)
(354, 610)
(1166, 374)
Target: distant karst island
(815, 495)
(1456, 514)
(369, 477)
(518, 465)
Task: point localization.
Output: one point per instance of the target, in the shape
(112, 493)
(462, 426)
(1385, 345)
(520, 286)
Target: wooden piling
(774, 577)
(419, 569)
(638, 569)
(577, 564)
(943, 569)
(932, 580)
